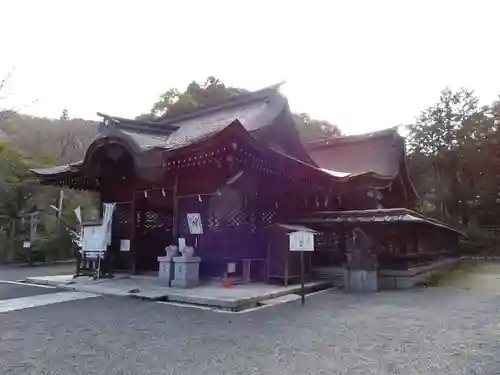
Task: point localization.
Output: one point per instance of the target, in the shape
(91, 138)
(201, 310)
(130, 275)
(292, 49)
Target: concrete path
(238, 297)
(22, 303)
(20, 272)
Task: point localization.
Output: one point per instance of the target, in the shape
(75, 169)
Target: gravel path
(8, 291)
(17, 272)
(433, 331)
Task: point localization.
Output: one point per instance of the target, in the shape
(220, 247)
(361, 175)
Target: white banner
(78, 213)
(98, 237)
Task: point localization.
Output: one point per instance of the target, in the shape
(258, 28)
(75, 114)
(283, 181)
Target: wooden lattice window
(214, 222)
(237, 217)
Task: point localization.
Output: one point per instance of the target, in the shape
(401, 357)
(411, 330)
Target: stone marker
(166, 265)
(186, 269)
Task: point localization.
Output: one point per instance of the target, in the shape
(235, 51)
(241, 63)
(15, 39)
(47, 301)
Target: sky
(363, 65)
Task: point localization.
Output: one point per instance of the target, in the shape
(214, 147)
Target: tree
(64, 115)
(455, 157)
(17, 189)
(212, 91)
(27, 142)
(436, 139)
(174, 102)
(310, 129)
(7, 112)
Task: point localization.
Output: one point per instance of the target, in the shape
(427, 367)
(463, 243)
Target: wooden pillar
(175, 210)
(309, 272)
(133, 245)
(405, 238)
(342, 242)
(101, 203)
(403, 185)
(286, 266)
(415, 239)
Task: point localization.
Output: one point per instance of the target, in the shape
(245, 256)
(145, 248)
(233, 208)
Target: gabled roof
(264, 113)
(374, 159)
(233, 134)
(378, 153)
(388, 215)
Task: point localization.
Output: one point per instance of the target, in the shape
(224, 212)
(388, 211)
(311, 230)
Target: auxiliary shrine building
(241, 168)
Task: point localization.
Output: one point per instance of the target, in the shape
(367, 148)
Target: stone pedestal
(361, 281)
(186, 272)
(165, 270)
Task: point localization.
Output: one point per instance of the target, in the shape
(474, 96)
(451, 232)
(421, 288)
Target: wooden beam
(175, 210)
(133, 246)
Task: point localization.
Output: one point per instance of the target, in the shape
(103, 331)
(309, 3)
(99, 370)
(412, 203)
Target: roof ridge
(343, 139)
(126, 123)
(168, 125)
(237, 100)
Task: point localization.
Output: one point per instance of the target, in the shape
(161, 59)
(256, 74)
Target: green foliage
(60, 141)
(17, 188)
(310, 129)
(455, 165)
(455, 159)
(173, 102)
(451, 276)
(21, 193)
(440, 128)
(27, 142)
(479, 240)
(56, 245)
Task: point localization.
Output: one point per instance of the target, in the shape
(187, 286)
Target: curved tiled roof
(265, 114)
(387, 215)
(377, 159)
(378, 153)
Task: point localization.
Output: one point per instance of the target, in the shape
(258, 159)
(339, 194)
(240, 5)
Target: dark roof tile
(378, 153)
(372, 216)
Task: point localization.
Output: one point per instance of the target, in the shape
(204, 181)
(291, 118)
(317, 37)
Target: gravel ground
(17, 272)
(433, 331)
(8, 291)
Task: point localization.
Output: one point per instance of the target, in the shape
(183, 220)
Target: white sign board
(301, 241)
(231, 267)
(194, 222)
(26, 244)
(93, 238)
(124, 245)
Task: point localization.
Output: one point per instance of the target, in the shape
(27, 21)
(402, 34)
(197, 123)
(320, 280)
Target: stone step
(281, 299)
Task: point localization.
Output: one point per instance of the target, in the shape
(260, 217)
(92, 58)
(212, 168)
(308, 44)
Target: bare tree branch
(5, 79)
(6, 113)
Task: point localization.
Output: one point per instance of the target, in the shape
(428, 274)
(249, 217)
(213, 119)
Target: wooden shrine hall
(241, 168)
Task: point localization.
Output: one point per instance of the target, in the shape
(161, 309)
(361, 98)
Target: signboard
(26, 244)
(301, 241)
(194, 223)
(124, 245)
(93, 238)
(231, 267)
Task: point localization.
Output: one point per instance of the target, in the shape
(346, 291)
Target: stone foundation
(361, 281)
(406, 279)
(390, 278)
